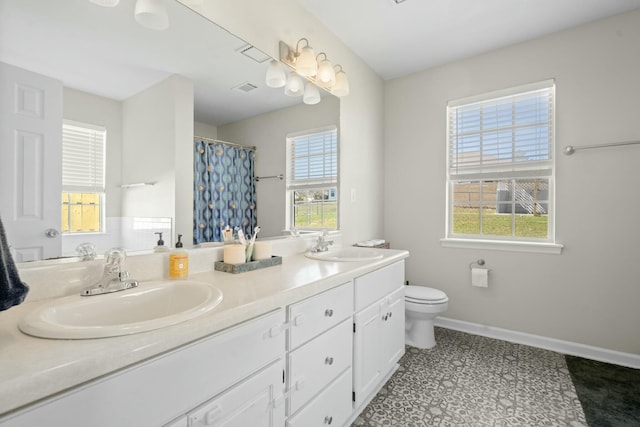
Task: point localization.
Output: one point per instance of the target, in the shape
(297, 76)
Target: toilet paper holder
(477, 264)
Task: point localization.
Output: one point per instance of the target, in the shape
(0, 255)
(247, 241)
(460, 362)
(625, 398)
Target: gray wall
(588, 294)
(268, 133)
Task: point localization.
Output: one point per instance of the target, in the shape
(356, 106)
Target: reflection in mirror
(152, 91)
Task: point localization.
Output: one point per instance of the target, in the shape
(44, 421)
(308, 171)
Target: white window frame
(479, 170)
(94, 157)
(326, 182)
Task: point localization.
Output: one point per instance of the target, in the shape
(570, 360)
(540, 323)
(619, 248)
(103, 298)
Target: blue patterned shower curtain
(224, 190)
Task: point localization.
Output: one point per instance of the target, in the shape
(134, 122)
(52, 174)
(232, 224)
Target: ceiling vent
(252, 52)
(245, 87)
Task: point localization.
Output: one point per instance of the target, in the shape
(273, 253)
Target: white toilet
(422, 305)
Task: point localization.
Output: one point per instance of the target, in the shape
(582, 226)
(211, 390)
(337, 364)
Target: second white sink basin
(148, 307)
(346, 254)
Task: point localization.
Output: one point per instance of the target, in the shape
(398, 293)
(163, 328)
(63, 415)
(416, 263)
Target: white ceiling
(400, 39)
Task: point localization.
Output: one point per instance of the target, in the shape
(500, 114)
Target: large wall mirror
(153, 92)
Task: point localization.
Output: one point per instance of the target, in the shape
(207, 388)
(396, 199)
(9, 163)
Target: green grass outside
(467, 221)
(312, 215)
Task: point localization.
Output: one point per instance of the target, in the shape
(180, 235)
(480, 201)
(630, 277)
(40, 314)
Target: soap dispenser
(160, 247)
(178, 261)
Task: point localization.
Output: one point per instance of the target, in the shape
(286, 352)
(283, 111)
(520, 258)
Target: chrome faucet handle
(114, 256)
(87, 251)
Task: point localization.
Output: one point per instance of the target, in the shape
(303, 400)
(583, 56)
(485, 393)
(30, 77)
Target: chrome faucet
(113, 278)
(322, 244)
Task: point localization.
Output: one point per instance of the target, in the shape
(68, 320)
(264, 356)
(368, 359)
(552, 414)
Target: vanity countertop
(35, 368)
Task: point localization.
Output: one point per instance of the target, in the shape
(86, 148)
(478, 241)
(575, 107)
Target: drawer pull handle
(328, 419)
(328, 360)
(385, 317)
(328, 312)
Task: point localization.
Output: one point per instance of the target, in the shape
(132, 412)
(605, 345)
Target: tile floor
(468, 380)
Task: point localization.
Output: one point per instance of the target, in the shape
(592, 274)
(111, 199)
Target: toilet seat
(424, 295)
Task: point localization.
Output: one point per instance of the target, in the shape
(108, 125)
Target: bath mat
(609, 394)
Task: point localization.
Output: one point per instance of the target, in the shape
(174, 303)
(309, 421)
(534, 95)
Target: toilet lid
(423, 293)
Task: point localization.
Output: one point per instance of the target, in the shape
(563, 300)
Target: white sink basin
(346, 254)
(148, 307)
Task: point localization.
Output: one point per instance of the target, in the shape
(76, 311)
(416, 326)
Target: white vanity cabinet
(319, 359)
(240, 368)
(378, 341)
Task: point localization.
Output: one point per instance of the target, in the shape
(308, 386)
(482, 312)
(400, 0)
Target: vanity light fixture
(152, 14)
(319, 71)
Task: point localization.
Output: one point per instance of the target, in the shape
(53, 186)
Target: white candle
(234, 254)
(261, 250)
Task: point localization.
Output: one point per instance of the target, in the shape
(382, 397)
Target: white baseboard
(565, 347)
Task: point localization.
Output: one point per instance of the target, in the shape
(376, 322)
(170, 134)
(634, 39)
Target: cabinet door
(249, 403)
(393, 330)
(368, 350)
(378, 343)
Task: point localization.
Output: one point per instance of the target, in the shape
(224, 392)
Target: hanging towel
(12, 289)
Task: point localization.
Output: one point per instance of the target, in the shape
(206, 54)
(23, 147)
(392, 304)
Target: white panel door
(30, 162)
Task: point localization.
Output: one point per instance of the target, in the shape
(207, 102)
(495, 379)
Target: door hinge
(283, 376)
(354, 328)
(353, 396)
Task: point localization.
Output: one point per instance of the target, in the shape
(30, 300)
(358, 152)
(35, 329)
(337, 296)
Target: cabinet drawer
(317, 363)
(375, 285)
(246, 404)
(317, 314)
(331, 408)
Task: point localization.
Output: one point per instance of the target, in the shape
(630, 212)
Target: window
(312, 179)
(500, 165)
(83, 165)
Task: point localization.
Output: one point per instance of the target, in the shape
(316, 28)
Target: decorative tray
(247, 266)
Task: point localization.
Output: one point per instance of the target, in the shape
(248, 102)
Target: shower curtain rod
(218, 141)
(570, 149)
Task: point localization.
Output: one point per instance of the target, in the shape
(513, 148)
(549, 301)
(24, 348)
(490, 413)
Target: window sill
(501, 245)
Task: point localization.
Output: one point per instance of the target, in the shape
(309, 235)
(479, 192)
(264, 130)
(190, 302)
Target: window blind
(508, 135)
(83, 157)
(313, 159)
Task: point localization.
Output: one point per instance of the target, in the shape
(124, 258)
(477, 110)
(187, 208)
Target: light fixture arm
(297, 52)
(318, 57)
